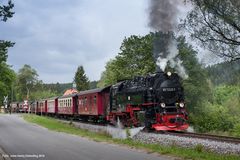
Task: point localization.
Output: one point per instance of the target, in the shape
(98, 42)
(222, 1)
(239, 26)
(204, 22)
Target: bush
(222, 114)
(213, 118)
(224, 93)
(236, 130)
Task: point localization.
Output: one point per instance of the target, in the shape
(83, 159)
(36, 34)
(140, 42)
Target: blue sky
(56, 36)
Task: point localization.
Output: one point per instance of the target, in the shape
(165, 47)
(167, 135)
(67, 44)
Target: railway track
(218, 138)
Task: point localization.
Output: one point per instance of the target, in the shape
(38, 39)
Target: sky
(56, 36)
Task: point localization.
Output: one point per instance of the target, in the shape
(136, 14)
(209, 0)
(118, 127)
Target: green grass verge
(198, 153)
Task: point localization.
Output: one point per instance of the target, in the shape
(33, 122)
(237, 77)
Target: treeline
(58, 88)
(27, 85)
(225, 73)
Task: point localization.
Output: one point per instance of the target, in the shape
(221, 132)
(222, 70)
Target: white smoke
(120, 133)
(173, 60)
(134, 131)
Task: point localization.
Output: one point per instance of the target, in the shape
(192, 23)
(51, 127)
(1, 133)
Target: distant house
(70, 91)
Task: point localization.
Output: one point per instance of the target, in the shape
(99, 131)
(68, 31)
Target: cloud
(56, 36)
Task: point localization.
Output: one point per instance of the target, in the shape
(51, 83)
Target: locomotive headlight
(169, 74)
(181, 104)
(163, 105)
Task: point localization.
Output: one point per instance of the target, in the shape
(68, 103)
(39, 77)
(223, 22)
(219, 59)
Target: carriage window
(95, 100)
(85, 101)
(80, 102)
(70, 102)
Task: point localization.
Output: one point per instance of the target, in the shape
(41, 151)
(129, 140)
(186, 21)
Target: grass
(198, 153)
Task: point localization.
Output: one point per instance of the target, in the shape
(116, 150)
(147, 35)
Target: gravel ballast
(168, 140)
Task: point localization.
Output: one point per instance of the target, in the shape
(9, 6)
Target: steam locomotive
(160, 96)
(156, 99)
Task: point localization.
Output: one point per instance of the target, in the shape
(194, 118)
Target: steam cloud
(163, 19)
(173, 60)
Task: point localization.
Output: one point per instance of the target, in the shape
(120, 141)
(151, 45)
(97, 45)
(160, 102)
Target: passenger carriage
(92, 104)
(52, 106)
(41, 107)
(67, 105)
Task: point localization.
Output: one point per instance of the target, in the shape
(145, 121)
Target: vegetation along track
(218, 138)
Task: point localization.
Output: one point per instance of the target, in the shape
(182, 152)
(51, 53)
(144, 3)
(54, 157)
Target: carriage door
(75, 104)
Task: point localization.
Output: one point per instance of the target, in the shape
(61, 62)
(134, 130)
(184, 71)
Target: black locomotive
(159, 95)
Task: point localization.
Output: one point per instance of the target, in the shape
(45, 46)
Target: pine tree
(81, 79)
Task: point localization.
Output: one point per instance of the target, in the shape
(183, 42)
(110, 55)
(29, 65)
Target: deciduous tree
(7, 78)
(27, 78)
(5, 13)
(7, 75)
(135, 58)
(216, 25)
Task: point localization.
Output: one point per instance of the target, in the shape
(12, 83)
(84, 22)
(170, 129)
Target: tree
(81, 79)
(216, 25)
(196, 86)
(225, 73)
(135, 58)
(27, 78)
(5, 13)
(7, 74)
(93, 84)
(7, 79)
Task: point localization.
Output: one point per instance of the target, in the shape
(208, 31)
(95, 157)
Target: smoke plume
(163, 20)
(163, 15)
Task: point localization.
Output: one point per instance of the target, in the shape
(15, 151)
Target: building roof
(70, 91)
